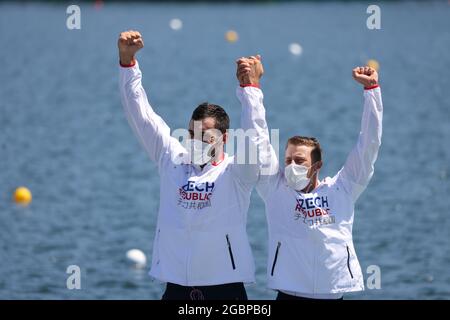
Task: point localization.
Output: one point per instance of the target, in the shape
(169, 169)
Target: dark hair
(316, 152)
(205, 110)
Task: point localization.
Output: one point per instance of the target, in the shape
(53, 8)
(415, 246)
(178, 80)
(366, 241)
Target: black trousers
(284, 296)
(229, 291)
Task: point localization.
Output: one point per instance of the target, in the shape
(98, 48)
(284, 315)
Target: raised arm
(151, 130)
(253, 120)
(359, 166)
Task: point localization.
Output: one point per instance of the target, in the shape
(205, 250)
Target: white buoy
(176, 24)
(137, 257)
(295, 48)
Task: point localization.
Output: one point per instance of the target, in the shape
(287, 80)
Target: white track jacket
(201, 236)
(310, 234)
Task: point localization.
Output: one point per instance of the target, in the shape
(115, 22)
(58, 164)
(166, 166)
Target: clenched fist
(129, 43)
(367, 76)
(249, 70)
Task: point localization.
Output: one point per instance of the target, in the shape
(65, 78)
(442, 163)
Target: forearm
(253, 113)
(126, 60)
(359, 167)
(371, 125)
(369, 140)
(149, 128)
(253, 121)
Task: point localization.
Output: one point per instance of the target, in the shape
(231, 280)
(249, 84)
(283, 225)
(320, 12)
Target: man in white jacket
(201, 249)
(310, 221)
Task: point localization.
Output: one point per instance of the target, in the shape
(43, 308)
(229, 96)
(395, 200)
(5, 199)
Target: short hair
(206, 109)
(316, 152)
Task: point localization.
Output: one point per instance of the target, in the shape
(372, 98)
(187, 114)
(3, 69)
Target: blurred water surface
(63, 133)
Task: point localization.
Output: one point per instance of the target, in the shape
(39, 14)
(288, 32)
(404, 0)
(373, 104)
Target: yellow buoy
(22, 196)
(373, 64)
(231, 36)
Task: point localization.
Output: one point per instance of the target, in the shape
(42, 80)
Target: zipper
(275, 258)
(189, 250)
(157, 243)
(230, 251)
(315, 274)
(348, 262)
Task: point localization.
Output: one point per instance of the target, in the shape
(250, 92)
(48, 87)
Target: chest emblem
(313, 210)
(194, 195)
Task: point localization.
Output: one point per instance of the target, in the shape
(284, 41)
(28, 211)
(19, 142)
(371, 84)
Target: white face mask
(199, 152)
(296, 176)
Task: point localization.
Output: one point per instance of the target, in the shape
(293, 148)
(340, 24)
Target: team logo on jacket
(314, 211)
(195, 195)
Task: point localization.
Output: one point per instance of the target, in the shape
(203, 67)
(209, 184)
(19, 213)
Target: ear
(319, 165)
(225, 137)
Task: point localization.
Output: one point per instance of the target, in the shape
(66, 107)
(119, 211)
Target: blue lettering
(209, 187)
(192, 186)
(309, 203)
(316, 201)
(189, 186)
(325, 202)
(300, 203)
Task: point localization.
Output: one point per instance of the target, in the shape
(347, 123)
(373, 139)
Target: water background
(63, 133)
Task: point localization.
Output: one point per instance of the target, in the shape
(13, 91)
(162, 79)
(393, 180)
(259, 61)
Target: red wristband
(250, 85)
(372, 87)
(132, 64)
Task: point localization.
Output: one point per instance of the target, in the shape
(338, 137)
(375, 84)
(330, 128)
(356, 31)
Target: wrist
(255, 85)
(249, 83)
(127, 61)
(371, 87)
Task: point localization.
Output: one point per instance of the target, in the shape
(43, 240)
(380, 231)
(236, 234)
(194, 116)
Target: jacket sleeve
(262, 160)
(359, 166)
(150, 129)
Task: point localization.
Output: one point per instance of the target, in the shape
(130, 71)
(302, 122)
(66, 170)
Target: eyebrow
(191, 132)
